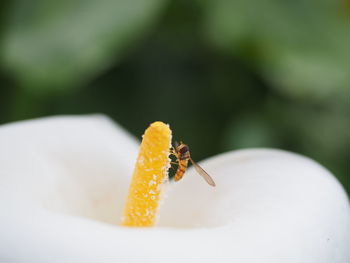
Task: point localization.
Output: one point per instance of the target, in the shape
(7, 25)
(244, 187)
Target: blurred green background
(225, 74)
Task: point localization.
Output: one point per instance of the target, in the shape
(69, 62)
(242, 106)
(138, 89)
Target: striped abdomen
(181, 169)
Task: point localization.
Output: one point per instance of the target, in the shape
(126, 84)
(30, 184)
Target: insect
(182, 154)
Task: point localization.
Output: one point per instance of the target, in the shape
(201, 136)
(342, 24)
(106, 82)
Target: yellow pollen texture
(151, 170)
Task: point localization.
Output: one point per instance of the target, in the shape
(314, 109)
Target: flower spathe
(64, 182)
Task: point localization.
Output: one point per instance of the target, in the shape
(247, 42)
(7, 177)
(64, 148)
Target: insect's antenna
(176, 144)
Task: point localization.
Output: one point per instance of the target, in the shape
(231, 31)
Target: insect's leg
(172, 165)
(173, 152)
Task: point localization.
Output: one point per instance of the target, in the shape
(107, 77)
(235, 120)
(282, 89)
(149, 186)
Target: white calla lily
(64, 181)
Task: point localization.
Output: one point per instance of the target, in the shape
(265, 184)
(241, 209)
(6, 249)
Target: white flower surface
(64, 181)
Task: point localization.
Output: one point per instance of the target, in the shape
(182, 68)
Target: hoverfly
(182, 154)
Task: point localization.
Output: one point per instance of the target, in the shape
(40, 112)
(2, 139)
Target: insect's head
(183, 148)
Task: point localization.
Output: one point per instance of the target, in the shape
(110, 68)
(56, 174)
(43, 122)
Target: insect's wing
(203, 173)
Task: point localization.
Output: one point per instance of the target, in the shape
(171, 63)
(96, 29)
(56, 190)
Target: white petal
(275, 206)
(64, 181)
(72, 165)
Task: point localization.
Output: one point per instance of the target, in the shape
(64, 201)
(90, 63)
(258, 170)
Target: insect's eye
(184, 150)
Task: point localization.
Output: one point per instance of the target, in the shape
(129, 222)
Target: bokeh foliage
(225, 74)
